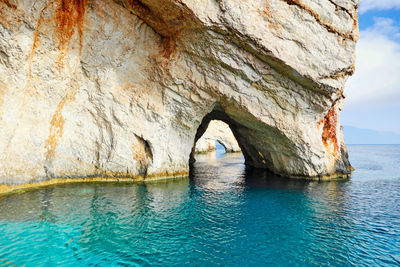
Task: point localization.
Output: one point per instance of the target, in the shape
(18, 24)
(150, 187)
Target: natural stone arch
(121, 87)
(262, 146)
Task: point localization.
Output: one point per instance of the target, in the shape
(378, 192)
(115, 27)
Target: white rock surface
(204, 145)
(217, 131)
(124, 88)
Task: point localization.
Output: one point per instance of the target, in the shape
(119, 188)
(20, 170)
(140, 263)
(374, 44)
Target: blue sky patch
(366, 19)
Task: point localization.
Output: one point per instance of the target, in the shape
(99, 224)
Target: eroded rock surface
(217, 131)
(125, 88)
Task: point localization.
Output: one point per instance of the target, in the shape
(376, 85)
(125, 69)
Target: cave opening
(262, 146)
(216, 133)
(218, 138)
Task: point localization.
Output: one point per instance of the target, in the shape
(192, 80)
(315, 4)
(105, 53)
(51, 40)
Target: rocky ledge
(125, 88)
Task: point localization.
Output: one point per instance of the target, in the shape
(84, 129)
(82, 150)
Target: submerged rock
(217, 131)
(125, 88)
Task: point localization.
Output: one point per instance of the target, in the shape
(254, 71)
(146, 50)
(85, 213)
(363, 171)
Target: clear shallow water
(223, 215)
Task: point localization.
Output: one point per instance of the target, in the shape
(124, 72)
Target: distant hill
(354, 135)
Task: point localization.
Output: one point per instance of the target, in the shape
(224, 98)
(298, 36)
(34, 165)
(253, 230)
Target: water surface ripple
(224, 214)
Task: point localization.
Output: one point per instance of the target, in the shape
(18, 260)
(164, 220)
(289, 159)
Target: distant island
(354, 135)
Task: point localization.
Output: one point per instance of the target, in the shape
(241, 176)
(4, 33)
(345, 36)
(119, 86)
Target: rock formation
(217, 131)
(125, 88)
(204, 145)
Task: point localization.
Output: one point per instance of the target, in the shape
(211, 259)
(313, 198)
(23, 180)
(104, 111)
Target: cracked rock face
(125, 88)
(217, 131)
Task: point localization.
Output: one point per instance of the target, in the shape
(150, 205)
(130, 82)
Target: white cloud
(366, 5)
(376, 81)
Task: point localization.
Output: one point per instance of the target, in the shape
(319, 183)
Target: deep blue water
(223, 215)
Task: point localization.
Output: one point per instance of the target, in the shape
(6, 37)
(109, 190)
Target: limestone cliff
(124, 88)
(217, 131)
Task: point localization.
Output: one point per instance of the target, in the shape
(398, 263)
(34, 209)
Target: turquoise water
(223, 215)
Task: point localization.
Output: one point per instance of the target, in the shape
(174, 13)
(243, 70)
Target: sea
(224, 214)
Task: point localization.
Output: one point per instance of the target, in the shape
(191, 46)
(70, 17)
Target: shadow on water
(229, 169)
(265, 179)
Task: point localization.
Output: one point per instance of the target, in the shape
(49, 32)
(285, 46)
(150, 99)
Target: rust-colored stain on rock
(35, 44)
(330, 128)
(168, 47)
(57, 124)
(140, 8)
(56, 131)
(9, 4)
(70, 16)
(9, 14)
(167, 51)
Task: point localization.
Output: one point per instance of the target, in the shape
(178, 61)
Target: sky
(373, 92)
